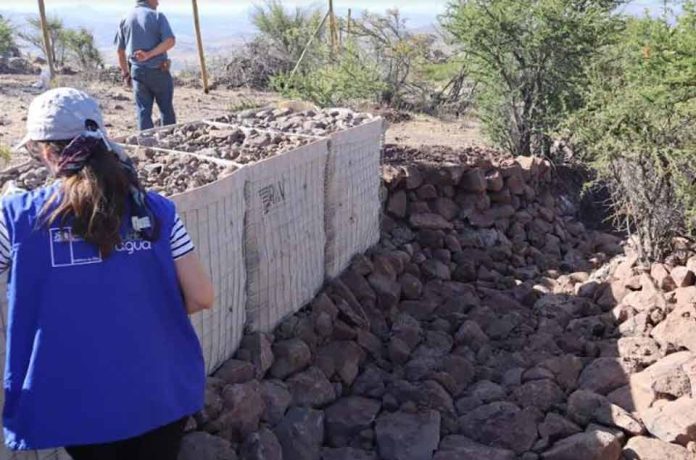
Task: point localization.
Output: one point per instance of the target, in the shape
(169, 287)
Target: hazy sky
(225, 22)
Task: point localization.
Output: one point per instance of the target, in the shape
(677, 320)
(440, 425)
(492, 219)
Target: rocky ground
(487, 324)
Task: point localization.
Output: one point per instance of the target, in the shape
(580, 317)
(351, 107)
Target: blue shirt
(98, 349)
(143, 29)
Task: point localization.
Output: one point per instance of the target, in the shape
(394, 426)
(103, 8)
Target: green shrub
(350, 77)
(638, 128)
(7, 37)
(527, 58)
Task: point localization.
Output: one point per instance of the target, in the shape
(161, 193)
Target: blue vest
(98, 350)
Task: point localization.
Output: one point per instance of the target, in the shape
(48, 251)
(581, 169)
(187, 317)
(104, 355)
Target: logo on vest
(68, 250)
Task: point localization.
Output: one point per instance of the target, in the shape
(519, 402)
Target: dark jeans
(160, 444)
(150, 86)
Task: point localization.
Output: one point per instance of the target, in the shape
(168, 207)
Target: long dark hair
(94, 200)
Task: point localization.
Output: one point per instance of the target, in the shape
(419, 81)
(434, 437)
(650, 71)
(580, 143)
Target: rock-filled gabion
(171, 173)
(319, 122)
(488, 324)
(165, 173)
(239, 144)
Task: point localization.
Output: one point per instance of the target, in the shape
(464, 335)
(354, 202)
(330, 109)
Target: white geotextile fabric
(214, 217)
(284, 236)
(352, 194)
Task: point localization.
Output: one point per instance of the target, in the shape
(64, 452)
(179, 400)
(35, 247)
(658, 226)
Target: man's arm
(166, 45)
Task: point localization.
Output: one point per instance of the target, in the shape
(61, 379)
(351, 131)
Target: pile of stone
(487, 324)
(28, 176)
(165, 173)
(238, 144)
(299, 120)
(171, 173)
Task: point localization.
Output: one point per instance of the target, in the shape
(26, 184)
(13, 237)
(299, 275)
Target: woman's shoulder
(160, 203)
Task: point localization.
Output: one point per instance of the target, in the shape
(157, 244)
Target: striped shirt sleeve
(180, 240)
(5, 247)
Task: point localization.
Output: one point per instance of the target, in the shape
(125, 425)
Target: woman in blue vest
(101, 356)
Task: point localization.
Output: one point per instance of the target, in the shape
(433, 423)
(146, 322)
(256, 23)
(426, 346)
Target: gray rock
(311, 388)
(347, 453)
(673, 421)
(457, 447)
(604, 375)
(262, 445)
(406, 436)
(594, 445)
(291, 356)
(347, 417)
(244, 406)
(555, 427)
(235, 371)
(642, 448)
(203, 446)
(260, 348)
(301, 434)
(277, 398)
(501, 424)
(542, 394)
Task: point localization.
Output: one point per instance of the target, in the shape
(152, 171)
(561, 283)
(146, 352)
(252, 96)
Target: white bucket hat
(61, 114)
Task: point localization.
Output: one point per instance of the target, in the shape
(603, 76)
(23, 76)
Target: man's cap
(60, 114)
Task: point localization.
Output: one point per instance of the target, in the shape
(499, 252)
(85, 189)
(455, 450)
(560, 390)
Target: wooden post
(350, 22)
(333, 29)
(199, 42)
(47, 38)
(309, 43)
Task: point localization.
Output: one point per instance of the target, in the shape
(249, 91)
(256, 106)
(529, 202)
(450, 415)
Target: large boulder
(408, 436)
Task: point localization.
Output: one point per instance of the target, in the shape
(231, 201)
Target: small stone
(429, 221)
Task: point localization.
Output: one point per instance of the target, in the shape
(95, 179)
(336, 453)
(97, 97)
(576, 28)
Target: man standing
(143, 39)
